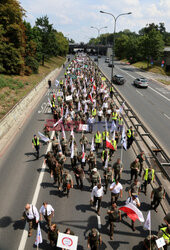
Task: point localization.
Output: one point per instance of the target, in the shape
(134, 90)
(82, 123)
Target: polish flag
(132, 212)
(83, 154)
(94, 87)
(108, 144)
(62, 111)
(90, 98)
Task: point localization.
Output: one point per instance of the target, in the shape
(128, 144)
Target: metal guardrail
(157, 152)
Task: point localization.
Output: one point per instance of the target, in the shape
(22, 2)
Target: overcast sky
(75, 17)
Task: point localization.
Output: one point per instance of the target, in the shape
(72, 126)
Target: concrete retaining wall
(18, 113)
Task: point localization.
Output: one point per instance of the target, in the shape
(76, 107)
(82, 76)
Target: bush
(32, 63)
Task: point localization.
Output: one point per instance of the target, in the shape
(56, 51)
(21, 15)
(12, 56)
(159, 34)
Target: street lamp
(115, 19)
(98, 29)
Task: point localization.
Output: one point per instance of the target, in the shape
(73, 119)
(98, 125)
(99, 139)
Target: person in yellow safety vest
(65, 74)
(114, 116)
(59, 99)
(165, 233)
(105, 154)
(114, 144)
(36, 144)
(130, 137)
(97, 140)
(104, 134)
(120, 124)
(111, 91)
(53, 106)
(61, 83)
(148, 176)
(94, 112)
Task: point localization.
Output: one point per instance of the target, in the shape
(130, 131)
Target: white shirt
(32, 213)
(100, 112)
(49, 208)
(91, 120)
(109, 111)
(134, 202)
(117, 188)
(97, 192)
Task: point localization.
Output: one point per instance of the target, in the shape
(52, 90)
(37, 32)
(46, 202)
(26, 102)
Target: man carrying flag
(132, 211)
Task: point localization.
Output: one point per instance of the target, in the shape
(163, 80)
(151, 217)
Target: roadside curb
(16, 117)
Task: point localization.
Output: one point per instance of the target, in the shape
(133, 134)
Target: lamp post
(115, 19)
(98, 29)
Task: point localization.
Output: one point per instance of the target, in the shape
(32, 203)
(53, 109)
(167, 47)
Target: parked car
(107, 60)
(141, 82)
(118, 79)
(110, 63)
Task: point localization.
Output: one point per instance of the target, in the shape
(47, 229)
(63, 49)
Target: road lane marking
(148, 86)
(166, 116)
(160, 94)
(139, 93)
(35, 198)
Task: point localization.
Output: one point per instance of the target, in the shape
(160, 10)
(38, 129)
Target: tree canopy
(23, 47)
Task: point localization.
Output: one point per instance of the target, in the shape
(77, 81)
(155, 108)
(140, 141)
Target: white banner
(67, 241)
(60, 94)
(43, 137)
(69, 97)
(84, 127)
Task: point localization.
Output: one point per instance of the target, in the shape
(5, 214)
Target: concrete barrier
(17, 114)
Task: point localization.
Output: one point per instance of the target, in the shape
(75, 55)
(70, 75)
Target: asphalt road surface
(151, 104)
(19, 174)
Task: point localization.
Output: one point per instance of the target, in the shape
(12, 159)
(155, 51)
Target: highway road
(151, 104)
(19, 175)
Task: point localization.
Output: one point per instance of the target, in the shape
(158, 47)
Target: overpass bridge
(90, 48)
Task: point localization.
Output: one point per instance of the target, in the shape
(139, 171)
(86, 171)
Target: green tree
(151, 45)
(47, 34)
(12, 35)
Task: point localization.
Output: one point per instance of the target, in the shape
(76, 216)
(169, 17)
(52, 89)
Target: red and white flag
(94, 86)
(83, 154)
(108, 144)
(91, 99)
(39, 236)
(132, 212)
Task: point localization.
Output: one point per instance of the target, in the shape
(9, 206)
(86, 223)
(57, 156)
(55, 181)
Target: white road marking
(148, 86)
(166, 116)
(160, 94)
(163, 91)
(139, 93)
(35, 198)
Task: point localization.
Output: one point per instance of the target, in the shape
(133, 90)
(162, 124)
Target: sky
(75, 17)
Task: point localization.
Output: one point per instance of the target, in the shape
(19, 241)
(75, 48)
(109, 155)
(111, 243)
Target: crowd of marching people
(85, 105)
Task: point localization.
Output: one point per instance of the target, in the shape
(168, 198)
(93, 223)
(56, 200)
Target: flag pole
(121, 153)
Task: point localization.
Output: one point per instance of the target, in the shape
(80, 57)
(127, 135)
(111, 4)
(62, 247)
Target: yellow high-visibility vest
(114, 116)
(165, 235)
(38, 142)
(94, 112)
(105, 134)
(98, 138)
(146, 174)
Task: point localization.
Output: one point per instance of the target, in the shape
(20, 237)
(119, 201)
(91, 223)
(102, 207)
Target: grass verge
(164, 81)
(14, 88)
(154, 69)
